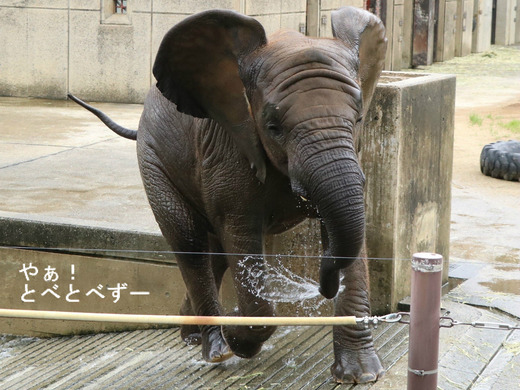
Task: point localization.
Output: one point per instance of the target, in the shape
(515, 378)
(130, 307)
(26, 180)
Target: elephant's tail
(118, 129)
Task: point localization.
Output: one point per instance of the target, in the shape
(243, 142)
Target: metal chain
(448, 322)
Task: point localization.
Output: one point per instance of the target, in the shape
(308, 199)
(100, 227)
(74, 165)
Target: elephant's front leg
(355, 358)
(249, 280)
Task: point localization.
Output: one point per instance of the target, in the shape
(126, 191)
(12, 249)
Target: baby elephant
(243, 137)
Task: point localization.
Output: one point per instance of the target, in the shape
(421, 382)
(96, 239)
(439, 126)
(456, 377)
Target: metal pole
(425, 307)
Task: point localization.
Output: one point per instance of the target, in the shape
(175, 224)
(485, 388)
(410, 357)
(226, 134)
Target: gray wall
(51, 47)
(506, 22)
(482, 19)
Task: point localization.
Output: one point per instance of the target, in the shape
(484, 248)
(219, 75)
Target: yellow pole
(177, 320)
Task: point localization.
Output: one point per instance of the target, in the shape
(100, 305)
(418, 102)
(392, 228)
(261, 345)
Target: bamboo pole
(177, 320)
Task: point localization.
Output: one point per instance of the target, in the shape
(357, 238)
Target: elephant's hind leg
(187, 233)
(191, 334)
(202, 296)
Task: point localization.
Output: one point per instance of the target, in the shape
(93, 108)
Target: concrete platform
(57, 164)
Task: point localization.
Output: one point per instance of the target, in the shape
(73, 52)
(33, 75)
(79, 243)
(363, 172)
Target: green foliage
(497, 126)
(513, 126)
(489, 54)
(476, 119)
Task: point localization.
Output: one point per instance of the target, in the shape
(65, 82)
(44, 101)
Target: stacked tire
(501, 160)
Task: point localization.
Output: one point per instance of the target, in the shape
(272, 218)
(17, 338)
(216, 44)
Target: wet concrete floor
(485, 228)
(294, 358)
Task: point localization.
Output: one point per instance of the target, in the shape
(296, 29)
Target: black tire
(501, 160)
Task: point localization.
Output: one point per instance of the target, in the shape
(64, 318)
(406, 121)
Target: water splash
(4, 354)
(283, 285)
(276, 283)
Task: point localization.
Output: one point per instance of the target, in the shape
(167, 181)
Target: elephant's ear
(197, 68)
(364, 33)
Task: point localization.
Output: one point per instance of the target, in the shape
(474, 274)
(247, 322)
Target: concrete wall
(446, 30)
(506, 12)
(326, 7)
(464, 26)
(51, 47)
(517, 22)
(394, 26)
(407, 154)
(408, 26)
(482, 16)
(517, 25)
(33, 49)
(161, 281)
(423, 32)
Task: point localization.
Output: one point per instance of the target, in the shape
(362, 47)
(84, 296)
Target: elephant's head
(294, 102)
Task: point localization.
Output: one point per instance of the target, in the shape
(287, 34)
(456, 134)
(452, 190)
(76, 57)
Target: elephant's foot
(246, 341)
(357, 366)
(214, 348)
(191, 334)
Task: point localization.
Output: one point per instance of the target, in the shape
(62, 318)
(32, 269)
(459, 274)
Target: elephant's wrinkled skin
(244, 137)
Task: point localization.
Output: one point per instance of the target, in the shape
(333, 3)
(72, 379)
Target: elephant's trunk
(330, 176)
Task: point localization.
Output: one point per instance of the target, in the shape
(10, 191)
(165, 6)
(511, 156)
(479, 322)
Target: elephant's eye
(274, 130)
(359, 119)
